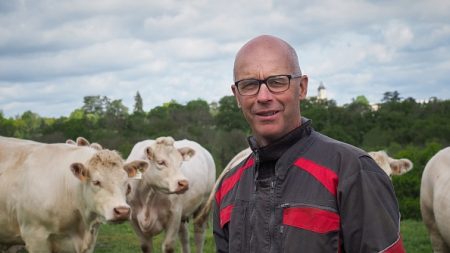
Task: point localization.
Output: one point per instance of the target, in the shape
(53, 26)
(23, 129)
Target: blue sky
(55, 52)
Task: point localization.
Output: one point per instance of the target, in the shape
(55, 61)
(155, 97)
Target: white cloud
(52, 53)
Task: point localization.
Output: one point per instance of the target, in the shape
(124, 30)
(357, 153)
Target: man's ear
(303, 87)
(233, 88)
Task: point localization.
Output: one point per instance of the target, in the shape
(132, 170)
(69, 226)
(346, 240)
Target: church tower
(321, 92)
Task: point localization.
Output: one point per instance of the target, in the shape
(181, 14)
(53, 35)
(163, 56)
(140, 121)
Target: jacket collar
(276, 149)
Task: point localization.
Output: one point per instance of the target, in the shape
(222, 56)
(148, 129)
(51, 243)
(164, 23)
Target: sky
(55, 52)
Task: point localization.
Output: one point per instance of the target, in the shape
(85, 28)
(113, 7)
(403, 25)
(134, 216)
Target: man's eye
(248, 85)
(277, 81)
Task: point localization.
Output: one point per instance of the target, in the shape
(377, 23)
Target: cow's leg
(173, 226)
(146, 239)
(437, 242)
(147, 246)
(36, 240)
(183, 233)
(199, 235)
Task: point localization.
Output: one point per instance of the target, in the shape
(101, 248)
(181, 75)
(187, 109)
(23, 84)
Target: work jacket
(322, 196)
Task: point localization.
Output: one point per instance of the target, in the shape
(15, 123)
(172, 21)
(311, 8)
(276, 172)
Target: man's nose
(264, 93)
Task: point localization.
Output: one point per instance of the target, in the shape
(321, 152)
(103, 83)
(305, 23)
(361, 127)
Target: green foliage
(404, 128)
(138, 103)
(229, 115)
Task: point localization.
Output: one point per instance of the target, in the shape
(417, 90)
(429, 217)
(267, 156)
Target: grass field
(121, 239)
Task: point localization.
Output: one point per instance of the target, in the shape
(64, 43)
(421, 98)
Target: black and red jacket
(317, 195)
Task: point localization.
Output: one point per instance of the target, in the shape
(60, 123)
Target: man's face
(270, 115)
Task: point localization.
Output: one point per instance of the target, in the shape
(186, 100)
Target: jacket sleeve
(370, 218)
(220, 234)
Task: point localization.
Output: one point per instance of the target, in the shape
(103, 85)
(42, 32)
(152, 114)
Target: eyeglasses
(275, 84)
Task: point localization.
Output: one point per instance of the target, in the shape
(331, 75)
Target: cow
(174, 188)
(389, 165)
(392, 167)
(53, 197)
(435, 200)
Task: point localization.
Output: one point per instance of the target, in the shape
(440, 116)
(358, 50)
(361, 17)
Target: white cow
(53, 197)
(389, 165)
(435, 200)
(175, 187)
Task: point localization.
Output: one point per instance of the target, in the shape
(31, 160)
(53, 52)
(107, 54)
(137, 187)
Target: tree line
(402, 127)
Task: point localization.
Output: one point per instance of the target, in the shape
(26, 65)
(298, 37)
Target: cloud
(53, 53)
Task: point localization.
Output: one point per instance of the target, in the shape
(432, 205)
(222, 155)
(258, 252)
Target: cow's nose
(183, 185)
(121, 213)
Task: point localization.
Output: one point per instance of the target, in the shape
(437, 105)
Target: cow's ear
(81, 141)
(79, 171)
(150, 154)
(133, 167)
(401, 166)
(186, 153)
(71, 142)
(96, 146)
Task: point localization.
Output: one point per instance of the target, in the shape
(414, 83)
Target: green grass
(415, 237)
(121, 239)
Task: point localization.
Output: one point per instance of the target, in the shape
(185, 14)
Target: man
(299, 191)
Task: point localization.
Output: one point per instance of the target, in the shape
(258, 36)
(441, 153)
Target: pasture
(121, 239)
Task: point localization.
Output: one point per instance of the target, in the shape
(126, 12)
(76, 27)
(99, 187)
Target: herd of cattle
(54, 197)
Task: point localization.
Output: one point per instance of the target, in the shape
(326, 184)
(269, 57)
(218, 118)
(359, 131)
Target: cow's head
(165, 163)
(390, 165)
(104, 184)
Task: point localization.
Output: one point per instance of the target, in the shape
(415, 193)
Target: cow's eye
(128, 189)
(161, 163)
(96, 183)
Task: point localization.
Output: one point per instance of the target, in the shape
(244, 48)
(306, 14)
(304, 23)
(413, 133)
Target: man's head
(275, 112)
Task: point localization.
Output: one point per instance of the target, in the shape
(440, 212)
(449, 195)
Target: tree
(390, 96)
(138, 104)
(229, 116)
(116, 109)
(93, 104)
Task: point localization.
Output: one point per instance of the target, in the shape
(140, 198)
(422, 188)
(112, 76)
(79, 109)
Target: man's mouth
(268, 113)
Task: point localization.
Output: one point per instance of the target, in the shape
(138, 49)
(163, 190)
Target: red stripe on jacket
(324, 175)
(312, 219)
(231, 181)
(397, 247)
(225, 215)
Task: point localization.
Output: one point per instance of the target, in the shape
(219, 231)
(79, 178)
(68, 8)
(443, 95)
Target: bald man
(299, 191)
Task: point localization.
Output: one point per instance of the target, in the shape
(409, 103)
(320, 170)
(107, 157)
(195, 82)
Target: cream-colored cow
(435, 200)
(392, 167)
(389, 165)
(53, 197)
(174, 188)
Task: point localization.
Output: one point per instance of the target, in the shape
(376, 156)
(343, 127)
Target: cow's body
(53, 197)
(156, 202)
(435, 200)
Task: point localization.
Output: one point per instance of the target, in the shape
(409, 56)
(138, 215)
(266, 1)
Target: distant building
(321, 92)
(375, 107)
